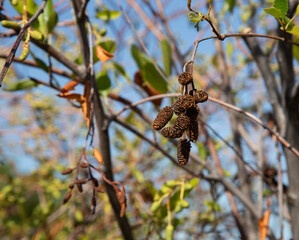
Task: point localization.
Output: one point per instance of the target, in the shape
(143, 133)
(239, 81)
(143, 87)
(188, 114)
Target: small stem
(182, 190)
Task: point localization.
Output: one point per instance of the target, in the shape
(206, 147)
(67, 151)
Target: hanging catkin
(183, 151)
(163, 118)
(185, 78)
(192, 131)
(200, 96)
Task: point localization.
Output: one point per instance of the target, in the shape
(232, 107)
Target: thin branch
(247, 114)
(141, 42)
(60, 57)
(250, 34)
(34, 64)
(18, 40)
(258, 121)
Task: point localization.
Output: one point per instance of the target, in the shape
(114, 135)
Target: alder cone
(193, 112)
(192, 131)
(185, 78)
(187, 101)
(177, 106)
(183, 151)
(163, 118)
(200, 96)
(170, 132)
(181, 123)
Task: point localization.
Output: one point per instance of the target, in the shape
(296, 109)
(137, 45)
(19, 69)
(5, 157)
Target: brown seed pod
(181, 123)
(183, 151)
(188, 101)
(192, 113)
(163, 118)
(100, 189)
(169, 132)
(80, 188)
(81, 181)
(200, 96)
(67, 197)
(192, 131)
(67, 171)
(84, 165)
(185, 78)
(177, 106)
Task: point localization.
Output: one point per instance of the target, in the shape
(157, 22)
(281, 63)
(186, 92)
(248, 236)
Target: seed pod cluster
(185, 107)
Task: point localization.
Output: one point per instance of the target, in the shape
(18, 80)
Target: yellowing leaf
(264, 224)
(102, 54)
(98, 156)
(69, 86)
(72, 96)
(85, 104)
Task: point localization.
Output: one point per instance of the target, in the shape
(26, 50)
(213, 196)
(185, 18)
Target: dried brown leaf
(147, 88)
(98, 155)
(264, 224)
(72, 96)
(102, 54)
(69, 86)
(123, 209)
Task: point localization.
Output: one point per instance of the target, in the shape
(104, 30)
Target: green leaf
(202, 152)
(231, 4)
(107, 15)
(31, 7)
(108, 45)
(119, 69)
(296, 50)
(40, 62)
(195, 18)
(286, 21)
(166, 55)
(297, 10)
(148, 71)
(138, 56)
(282, 5)
(103, 81)
(21, 85)
(294, 31)
(151, 75)
(274, 12)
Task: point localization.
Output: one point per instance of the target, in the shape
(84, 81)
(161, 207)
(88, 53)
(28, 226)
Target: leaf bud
(67, 171)
(25, 52)
(67, 197)
(36, 35)
(10, 24)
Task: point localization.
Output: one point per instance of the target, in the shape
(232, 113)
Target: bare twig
(258, 121)
(247, 114)
(18, 40)
(250, 34)
(141, 42)
(34, 64)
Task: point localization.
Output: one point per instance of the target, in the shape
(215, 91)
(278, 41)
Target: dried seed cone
(181, 123)
(183, 151)
(192, 131)
(163, 118)
(169, 132)
(200, 96)
(188, 101)
(193, 112)
(185, 78)
(177, 106)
